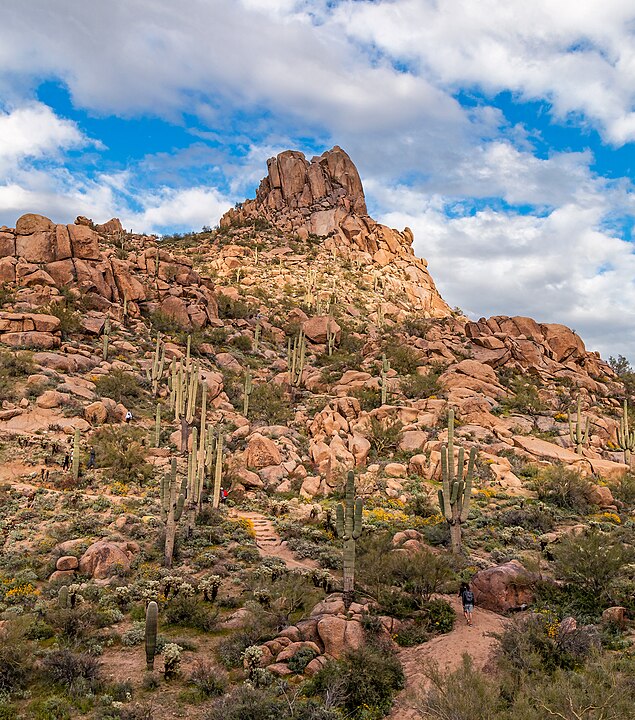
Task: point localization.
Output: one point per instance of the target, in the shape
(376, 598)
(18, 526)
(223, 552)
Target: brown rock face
(104, 559)
(261, 452)
(504, 587)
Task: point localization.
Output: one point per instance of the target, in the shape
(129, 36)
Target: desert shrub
(362, 683)
(119, 451)
(434, 618)
(247, 703)
(72, 669)
(301, 659)
(242, 343)
(369, 399)
(536, 644)
(420, 574)
(69, 319)
(591, 563)
(209, 680)
(625, 372)
(15, 658)
(384, 437)
(51, 708)
(72, 624)
(422, 386)
(120, 386)
(624, 489)
(13, 365)
(524, 396)
(191, 611)
(269, 404)
(229, 309)
(533, 517)
(7, 295)
(403, 358)
(564, 487)
(134, 635)
(257, 628)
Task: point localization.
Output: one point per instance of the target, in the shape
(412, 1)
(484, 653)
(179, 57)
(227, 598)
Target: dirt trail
(269, 543)
(447, 652)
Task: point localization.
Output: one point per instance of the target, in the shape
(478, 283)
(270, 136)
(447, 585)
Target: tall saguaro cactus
(626, 436)
(579, 431)
(385, 369)
(76, 454)
(172, 508)
(456, 490)
(152, 618)
(349, 528)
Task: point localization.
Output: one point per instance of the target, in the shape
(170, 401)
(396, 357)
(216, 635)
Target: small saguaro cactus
(330, 341)
(579, 431)
(157, 426)
(626, 436)
(383, 383)
(296, 352)
(456, 490)
(106, 338)
(152, 618)
(349, 528)
(247, 392)
(75, 466)
(257, 332)
(62, 596)
(218, 471)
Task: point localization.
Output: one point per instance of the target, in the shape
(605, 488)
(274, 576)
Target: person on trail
(223, 494)
(128, 416)
(91, 459)
(467, 598)
(67, 462)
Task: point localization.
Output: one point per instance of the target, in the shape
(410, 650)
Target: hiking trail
(447, 652)
(269, 542)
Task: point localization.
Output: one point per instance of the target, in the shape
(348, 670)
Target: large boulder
(318, 328)
(504, 587)
(104, 559)
(261, 452)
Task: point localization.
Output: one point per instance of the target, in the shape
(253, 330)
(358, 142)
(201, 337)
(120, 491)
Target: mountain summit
(324, 197)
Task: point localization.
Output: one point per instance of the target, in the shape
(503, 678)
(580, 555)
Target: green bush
(363, 682)
(369, 399)
(564, 487)
(209, 680)
(422, 386)
(403, 358)
(385, 437)
(524, 396)
(120, 386)
(119, 451)
(242, 343)
(13, 365)
(190, 611)
(69, 670)
(16, 663)
(69, 319)
(435, 618)
(229, 309)
(301, 659)
(269, 404)
(591, 563)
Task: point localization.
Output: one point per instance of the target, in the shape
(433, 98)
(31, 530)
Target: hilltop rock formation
(42, 258)
(325, 198)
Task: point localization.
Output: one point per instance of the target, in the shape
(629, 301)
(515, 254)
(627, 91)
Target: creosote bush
(564, 487)
(120, 386)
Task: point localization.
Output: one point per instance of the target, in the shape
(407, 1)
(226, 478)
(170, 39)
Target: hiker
(91, 459)
(467, 598)
(128, 416)
(223, 494)
(67, 462)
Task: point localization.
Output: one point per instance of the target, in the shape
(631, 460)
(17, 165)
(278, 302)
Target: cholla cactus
(171, 660)
(209, 586)
(251, 659)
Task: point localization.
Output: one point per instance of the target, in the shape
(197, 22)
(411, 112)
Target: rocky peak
(324, 197)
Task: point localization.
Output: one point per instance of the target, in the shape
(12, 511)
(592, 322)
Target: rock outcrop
(324, 197)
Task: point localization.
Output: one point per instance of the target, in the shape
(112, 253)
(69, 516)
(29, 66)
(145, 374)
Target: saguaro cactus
(579, 431)
(157, 426)
(385, 369)
(247, 392)
(171, 510)
(456, 490)
(106, 338)
(152, 619)
(349, 528)
(76, 454)
(626, 436)
(296, 352)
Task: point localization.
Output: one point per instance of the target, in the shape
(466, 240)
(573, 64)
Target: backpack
(468, 597)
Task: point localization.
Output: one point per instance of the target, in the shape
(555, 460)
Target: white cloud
(578, 56)
(34, 131)
(558, 268)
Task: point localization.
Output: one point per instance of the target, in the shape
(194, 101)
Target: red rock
(317, 328)
(261, 452)
(176, 309)
(104, 559)
(67, 562)
(84, 242)
(503, 587)
(41, 340)
(31, 223)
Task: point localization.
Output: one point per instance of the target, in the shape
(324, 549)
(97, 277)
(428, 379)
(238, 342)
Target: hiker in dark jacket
(467, 598)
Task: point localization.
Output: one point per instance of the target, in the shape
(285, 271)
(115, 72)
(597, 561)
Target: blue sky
(502, 133)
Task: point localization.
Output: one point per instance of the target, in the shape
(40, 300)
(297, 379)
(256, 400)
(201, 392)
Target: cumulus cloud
(558, 268)
(578, 56)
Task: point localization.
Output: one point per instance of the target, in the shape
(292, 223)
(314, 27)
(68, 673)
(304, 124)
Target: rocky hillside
(298, 341)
